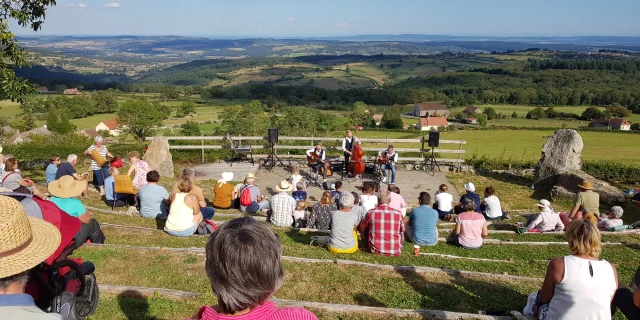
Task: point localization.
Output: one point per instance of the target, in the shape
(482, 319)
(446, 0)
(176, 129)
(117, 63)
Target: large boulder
(159, 157)
(566, 188)
(560, 154)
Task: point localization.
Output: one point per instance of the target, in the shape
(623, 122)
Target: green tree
(169, 93)
(482, 120)
(249, 120)
(619, 111)
(185, 109)
(27, 13)
(394, 123)
(104, 102)
(592, 113)
(348, 70)
(138, 116)
(58, 121)
(537, 113)
(190, 128)
(28, 122)
(206, 96)
(361, 114)
(490, 113)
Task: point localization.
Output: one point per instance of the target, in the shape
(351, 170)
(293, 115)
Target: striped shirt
(386, 226)
(102, 152)
(266, 311)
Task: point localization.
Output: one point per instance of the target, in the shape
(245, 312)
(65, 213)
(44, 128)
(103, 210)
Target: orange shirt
(223, 194)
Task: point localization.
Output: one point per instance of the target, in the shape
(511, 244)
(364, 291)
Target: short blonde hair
(584, 238)
(134, 154)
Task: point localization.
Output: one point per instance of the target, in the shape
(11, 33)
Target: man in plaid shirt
(282, 206)
(383, 228)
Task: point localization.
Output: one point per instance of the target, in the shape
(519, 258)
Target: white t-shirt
(368, 201)
(444, 201)
(492, 207)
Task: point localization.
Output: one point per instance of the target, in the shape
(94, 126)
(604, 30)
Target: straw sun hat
(284, 186)
(586, 185)
(66, 187)
(24, 241)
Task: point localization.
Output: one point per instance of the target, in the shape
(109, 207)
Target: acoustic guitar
(316, 159)
(383, 159)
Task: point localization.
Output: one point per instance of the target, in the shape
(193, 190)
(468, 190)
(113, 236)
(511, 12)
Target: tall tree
(249, 120)
(490, 113)
(105, 102)
(361, 114)
(190, 128)
(592, 113)
(58, 121)
(138, 117)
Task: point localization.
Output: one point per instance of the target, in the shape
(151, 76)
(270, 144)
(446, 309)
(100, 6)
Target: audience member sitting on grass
(140, 167)
(491, 208)
(282, 206)
(300, 214)
(25, 242)
(64, 193)
(236, 191)
(320, 216)
(11, 179)
(368, 199)
(444, 201)
(300, 194)
(184, 213)
(68, 169)
(545, 221)
(579, 286)
(153, 198)
(223, 192)
(337, 193)
(110, 197)
(196, 191)
(470, 227)
(586, 201)
(258, 202)
(611, 220)
(628, 301)
(397, 201)
(471, 195)
(357, 208)
(243, 263)
(382, 229)
(344, 223)
(422, 226)
(52, 168)
(99, 173)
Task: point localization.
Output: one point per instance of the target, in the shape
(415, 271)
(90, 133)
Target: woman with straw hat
(25, 242)
(64, 193)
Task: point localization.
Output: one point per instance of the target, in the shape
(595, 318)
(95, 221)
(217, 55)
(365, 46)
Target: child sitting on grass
(299, 214)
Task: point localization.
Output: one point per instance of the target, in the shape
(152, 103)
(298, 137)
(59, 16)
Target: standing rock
(159, 157)
(561, 153)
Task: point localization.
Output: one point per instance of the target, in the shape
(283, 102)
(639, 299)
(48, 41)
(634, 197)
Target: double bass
(356, 165)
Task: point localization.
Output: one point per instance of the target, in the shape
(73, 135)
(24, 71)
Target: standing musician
(318, 155)
(388, 159)
(347, 147)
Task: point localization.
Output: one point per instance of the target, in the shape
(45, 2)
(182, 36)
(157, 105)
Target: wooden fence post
(202, 135)
(460, 157)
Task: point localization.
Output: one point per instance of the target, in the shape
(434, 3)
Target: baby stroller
(61, 284)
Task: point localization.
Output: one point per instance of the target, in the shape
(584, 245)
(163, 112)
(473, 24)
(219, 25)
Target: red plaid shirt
(386, 229)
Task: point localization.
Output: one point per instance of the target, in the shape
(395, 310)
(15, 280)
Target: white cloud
(292, 19)
(113, 5)
(82, 5)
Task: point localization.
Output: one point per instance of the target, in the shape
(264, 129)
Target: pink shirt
(471, 225)
(397, 201)
(266, 311)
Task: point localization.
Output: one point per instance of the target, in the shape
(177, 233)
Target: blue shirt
(108, 188)
(473, 196)
(21, 306)
(152, 197)
(71, 206)
(300, 195)
(423, 223)
(50, 174)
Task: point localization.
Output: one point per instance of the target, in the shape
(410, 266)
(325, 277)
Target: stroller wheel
(87, 302)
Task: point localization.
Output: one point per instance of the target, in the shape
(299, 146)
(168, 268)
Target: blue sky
(277, 18)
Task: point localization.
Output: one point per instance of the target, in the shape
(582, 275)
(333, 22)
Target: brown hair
(367, 188)
(153, 176)
(490, 191)
(326, 198)
(584, 238)
(185, 185)
(54, 158)
(444, 188)
(11, 164)
(301, 205)
(134, 154)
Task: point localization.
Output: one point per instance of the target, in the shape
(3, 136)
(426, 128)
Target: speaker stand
(431, 162)
(272, 159)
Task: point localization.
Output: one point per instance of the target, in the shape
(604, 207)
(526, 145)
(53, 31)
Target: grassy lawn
(9, 109)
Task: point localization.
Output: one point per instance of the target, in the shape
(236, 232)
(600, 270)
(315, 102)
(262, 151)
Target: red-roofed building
(432, 123)
(614, 123)
(110, 125)
(72, 91)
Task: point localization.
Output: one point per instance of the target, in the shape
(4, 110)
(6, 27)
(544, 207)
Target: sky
(306, 18)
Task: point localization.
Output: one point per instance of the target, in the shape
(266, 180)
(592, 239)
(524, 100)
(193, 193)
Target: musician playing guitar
(388, 159)
(347, 147)
(316, 159)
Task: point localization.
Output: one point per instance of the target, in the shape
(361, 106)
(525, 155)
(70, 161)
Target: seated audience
(382, 229)
(64, 193)
(110, 197)
(470, 228)
(491, 208)
(628, 301)
(422, 226)
(612, 219)
(11, 179)
(184, 212)
(357, 208)
(68, 169)
(443, 203)
(52, 168)
(368, 199)
(140, 168)
(337, 193)
(153, 198)
(344, 223)
(586, 201)
(258, 202)
(397, 201)
(546, 220)
(579, 286)
(236, 191)
(320, 216)
(25, 242)
(471, 195)
(196, 191)
(243, 263)
(300, 194)
(300, 214)
(282, 206)
(223, 197)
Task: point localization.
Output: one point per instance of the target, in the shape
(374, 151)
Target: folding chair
(123, 185)
(239, 151)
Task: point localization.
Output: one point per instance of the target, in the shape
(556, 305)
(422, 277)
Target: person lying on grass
(470, 228)
(244, 266)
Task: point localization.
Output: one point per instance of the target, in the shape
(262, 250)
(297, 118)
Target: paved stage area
(411, 183)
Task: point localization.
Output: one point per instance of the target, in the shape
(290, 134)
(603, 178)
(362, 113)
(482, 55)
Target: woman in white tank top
(184, 217)
(579, 286)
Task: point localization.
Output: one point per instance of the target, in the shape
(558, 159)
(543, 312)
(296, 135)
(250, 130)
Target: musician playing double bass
(347, 147)
(388, 158)
(316, 158)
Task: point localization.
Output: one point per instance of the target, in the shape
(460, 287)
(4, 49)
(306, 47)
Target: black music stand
(431, 162)
(316, 173)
